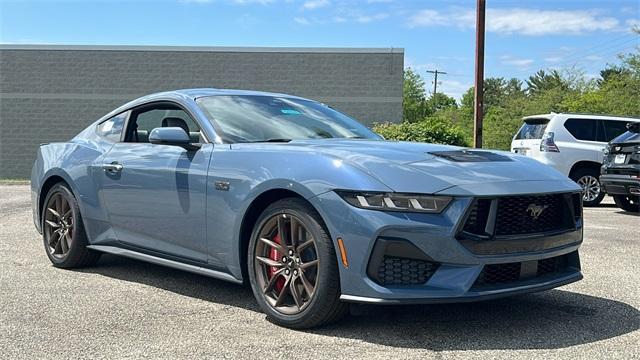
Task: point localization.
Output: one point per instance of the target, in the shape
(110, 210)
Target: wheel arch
(585, 164)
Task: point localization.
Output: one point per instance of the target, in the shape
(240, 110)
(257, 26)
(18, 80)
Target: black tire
(324, 306)
(628, 203)
(77, 254)
(582, 176)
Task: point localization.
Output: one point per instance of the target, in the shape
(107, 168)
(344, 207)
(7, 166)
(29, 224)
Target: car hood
(428, 168)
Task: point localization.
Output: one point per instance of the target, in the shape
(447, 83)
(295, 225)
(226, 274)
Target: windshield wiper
(272, 140)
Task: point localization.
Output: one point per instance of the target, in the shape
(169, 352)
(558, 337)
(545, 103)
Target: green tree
(440, 101)
(543, 81)
(414, 103)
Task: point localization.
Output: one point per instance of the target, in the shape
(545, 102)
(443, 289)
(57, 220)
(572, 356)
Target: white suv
(571, 143)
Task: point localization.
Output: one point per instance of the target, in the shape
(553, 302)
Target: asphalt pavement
(124, 308)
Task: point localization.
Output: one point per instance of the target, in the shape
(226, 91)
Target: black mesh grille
(403, 271)
(499, 274)
(517, 214)
(552, 265)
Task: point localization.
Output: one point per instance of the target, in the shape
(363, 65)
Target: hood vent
(470, 156)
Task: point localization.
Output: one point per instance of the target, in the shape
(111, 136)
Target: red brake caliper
(275, 255)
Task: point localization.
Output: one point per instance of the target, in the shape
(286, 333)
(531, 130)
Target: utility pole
(478, 110)
(435, 79)
(435, 85)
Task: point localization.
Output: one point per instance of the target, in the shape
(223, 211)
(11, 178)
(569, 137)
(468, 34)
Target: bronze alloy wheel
(59, 226)
(286, 263)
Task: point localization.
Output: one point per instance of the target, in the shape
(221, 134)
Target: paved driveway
(128, 309)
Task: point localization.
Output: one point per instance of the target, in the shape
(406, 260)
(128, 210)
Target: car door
(155, 195)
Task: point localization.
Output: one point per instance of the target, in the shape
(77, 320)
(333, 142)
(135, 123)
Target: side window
(582, 129)
(144, 121)
(614, 128)
(111, 129)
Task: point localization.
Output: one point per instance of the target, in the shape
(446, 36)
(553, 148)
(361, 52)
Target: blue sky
(522, 36)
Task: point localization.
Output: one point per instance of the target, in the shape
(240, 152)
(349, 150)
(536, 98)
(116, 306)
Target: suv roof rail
(632, 117)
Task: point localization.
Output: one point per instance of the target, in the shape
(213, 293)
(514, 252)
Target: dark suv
(620, 173)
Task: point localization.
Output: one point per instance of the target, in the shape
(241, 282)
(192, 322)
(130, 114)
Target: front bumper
(456, 278)
(620, 184)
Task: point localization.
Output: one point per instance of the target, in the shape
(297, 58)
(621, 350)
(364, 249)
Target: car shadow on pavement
(548, 320)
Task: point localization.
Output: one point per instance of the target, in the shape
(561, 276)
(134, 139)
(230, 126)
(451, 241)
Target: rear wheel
(293, 268)
(627, 203)
(65, 240)
(589, 181)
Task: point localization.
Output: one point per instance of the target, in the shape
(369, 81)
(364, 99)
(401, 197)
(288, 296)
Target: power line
(435, 80)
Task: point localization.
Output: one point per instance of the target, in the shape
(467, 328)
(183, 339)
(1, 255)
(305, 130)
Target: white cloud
(363, 19)
(302, 20)
(521, 64)
(244, 2)
(593, 58)
(553, 59)
(314, 4)
(453, 88)
(519, 20)
(633, 23)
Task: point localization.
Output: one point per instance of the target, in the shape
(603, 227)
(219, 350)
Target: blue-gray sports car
(305, 204)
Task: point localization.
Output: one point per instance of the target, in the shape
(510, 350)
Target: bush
(429, 130)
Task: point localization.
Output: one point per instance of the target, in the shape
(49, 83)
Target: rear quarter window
(111, 129)
(582, 129)
(532, 129)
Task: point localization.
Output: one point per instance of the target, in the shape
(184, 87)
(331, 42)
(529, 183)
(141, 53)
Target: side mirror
(169, 136)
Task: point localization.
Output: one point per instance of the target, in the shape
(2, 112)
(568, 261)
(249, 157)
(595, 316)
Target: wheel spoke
(309, 264)
(274, 245)
(281, 232)
(307, 286)
(69, 237)
(294, 293)
(55, 236)
(57, 249)
(53, 212)
(63, 244)
(269, 262)
(272, 281)
(283, 292)
(304, 245)
(66, 214)
(293, 231)
(52, 224)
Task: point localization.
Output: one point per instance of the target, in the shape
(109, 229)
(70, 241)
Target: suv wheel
(627, 203)
(293, 269)
(588, 179)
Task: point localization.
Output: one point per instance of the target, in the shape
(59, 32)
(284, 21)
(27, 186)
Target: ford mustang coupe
(305, 204)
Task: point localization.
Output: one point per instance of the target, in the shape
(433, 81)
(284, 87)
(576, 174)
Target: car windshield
(258, 118)
(532, 129)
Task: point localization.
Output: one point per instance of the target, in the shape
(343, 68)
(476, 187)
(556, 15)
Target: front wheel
(628, 203)
(589, 181)
(293, 268)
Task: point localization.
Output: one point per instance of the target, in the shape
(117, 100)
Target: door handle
(114, 167)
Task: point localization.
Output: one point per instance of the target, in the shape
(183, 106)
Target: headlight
(396, 201)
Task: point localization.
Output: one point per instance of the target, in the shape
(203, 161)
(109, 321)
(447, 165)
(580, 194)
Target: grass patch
(14, 181)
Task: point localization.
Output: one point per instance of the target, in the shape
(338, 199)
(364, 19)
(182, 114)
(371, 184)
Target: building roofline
(202, 49)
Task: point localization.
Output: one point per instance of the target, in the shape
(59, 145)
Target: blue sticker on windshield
(290, 111)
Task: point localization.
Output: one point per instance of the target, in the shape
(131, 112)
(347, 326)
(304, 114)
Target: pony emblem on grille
(536, 210)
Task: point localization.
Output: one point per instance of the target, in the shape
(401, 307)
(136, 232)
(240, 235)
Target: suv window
(582, 129)
(143, 121)
(111, 129)
(613, 128)
(532, 129)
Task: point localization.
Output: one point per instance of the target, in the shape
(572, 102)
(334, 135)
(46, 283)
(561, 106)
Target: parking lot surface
(123, 308)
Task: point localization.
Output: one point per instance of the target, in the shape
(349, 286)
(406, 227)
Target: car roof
(203, 92)
(579, 116)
